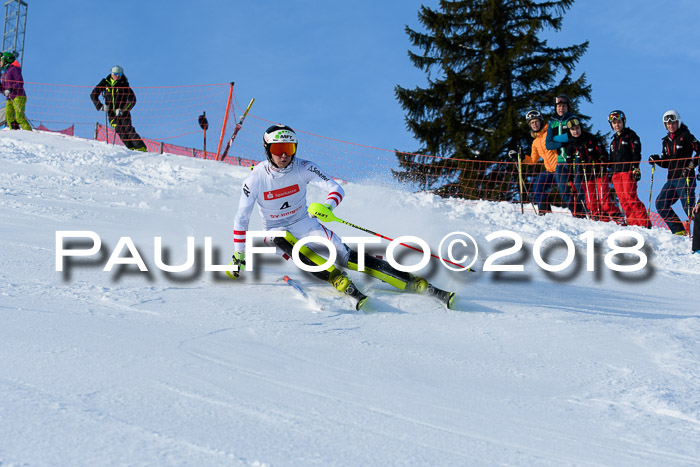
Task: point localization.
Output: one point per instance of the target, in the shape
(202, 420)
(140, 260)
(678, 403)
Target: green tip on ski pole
(323, 213)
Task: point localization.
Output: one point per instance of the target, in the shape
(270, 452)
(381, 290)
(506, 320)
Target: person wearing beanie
(119, 100)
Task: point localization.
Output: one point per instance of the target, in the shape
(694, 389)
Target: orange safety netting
(167, 114)
(166, 120)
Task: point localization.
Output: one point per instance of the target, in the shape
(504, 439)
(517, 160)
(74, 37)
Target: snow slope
(126, 367)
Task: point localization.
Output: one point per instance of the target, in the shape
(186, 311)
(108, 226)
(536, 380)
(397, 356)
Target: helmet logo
(283, 135)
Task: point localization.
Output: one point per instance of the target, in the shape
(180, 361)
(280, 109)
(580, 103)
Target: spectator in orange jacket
(545, 180)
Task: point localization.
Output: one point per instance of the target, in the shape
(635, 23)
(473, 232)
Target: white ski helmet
(671, 116)
(532, 115)
(279, 134)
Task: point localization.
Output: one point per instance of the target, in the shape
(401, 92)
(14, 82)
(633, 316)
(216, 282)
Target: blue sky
(330, 67)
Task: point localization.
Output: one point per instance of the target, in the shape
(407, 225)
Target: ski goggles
(572, 123)
(561, 100)
(616, 115)
(532, 115)
(670, 118)
(277, 149)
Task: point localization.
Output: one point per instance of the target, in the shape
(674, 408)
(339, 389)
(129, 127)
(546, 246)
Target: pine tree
(486, 66)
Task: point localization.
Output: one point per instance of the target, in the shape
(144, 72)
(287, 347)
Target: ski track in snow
(126, 367)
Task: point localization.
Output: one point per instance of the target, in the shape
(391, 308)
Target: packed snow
(125, 367)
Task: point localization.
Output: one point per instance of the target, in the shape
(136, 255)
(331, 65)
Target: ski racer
(278, 186)
(676, 156)
(625, 154)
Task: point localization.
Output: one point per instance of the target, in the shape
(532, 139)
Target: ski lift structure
(15, 28)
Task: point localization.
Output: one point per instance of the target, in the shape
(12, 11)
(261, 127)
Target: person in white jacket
(278, 187)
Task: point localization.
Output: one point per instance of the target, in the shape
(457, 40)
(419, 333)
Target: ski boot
(342, 283)
(421, 286)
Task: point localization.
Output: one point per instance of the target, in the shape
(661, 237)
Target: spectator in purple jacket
(12, 86)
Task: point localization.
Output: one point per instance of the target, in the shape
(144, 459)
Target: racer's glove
(237, 260)
(322, 212)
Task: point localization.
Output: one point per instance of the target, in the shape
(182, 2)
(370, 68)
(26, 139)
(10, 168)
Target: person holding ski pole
(545, 180)
(677, 156)
(625, 155)
(590, 156)
(564, 174)
(119, 101)
(278, 187)
(12, 86)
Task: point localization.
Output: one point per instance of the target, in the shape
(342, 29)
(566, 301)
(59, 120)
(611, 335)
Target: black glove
(654, 158)
(636, 174)
(689, 169)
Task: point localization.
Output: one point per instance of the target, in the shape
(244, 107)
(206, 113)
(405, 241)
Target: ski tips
(361, 303)
(451, 301)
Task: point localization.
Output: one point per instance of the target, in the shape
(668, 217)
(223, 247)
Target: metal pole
(223, 125)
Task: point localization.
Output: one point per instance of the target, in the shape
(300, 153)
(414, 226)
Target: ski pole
(296, 286)
(598, 186)
(585, 182)
(235, 130)
(326, 215)
(106, 125)
(574, 192)
(687, 187)
(651, 185)
(520, 180)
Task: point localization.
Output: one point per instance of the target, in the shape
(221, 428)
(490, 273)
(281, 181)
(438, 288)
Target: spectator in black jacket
(677, 157)
(119, 100)
(625, 154)
(590, 155)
